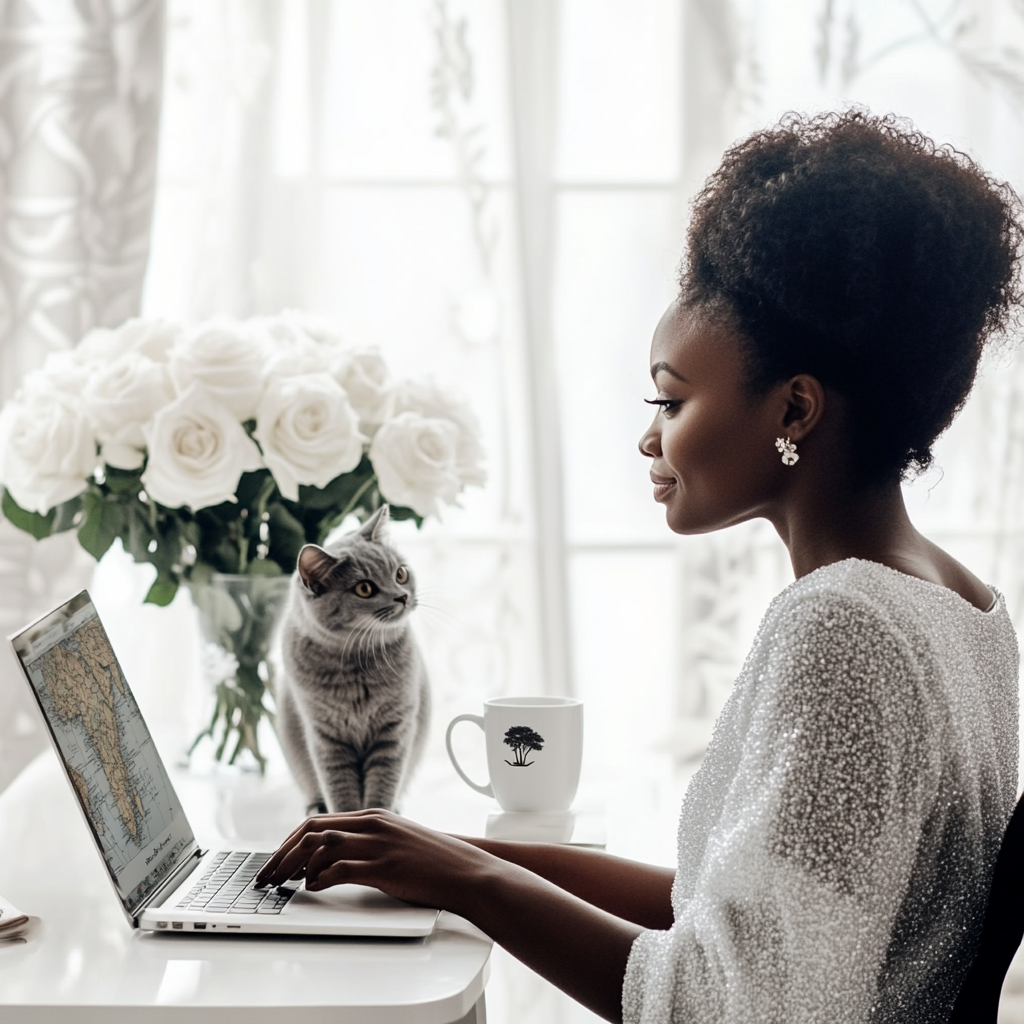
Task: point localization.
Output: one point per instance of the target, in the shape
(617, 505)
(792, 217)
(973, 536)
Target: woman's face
(712, 444)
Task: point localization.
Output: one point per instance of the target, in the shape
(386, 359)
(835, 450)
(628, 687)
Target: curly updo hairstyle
(852, 248)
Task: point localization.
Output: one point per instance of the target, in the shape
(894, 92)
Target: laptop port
(237, 926)
(200, 926)
(161, 924)
(177, 924)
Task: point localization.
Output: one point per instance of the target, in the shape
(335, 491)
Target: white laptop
(164, 881)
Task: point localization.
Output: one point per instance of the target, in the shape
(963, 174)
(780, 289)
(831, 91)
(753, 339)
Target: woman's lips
(662, 486)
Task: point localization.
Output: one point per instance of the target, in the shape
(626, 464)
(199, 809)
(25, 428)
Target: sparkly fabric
(837, 844)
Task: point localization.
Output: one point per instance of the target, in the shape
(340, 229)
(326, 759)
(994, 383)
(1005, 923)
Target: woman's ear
(804, 405)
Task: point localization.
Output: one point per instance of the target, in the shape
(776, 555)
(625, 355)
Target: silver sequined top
(836, 846)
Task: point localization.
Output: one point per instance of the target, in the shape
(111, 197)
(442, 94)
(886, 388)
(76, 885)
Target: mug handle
(486, 790)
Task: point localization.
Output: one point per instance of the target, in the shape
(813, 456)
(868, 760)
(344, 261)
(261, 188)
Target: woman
(835, 850)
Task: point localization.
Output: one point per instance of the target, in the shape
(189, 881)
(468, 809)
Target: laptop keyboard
(226, 887)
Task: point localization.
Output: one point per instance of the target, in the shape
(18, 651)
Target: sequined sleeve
(793, 895)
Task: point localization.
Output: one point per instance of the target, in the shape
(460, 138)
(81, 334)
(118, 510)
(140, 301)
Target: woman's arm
(578, 947)
(641, 893)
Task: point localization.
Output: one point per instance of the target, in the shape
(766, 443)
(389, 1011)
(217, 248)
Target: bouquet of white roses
(225, 447)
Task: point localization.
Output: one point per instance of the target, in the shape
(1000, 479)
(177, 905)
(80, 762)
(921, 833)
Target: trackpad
(345, 897)
(377, 912)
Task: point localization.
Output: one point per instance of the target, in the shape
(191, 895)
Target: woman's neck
(824, 525)
(820, 526)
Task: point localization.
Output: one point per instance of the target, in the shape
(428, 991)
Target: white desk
(83, 963)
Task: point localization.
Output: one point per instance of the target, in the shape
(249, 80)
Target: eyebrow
(658, 367)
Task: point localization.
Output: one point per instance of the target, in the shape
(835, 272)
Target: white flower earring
(788, 449)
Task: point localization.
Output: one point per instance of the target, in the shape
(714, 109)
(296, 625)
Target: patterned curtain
(80, 89)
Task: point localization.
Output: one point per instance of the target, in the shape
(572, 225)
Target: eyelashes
(668, 405)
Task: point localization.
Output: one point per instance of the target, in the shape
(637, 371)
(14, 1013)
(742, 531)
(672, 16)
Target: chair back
(1001, 934)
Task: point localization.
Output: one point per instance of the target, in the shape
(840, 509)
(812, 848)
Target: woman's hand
(581, 949)
(379, 849)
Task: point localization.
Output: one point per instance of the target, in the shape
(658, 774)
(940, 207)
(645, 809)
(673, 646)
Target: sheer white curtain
(80, 90)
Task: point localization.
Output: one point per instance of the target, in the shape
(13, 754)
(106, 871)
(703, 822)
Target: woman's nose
(650, 443)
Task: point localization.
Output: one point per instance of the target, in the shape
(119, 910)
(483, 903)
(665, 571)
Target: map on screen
(108, 753)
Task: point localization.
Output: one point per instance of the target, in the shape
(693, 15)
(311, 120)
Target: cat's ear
(315, 567)
(376, 527)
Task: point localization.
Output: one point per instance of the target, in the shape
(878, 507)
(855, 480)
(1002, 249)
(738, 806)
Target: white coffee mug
(534, 749)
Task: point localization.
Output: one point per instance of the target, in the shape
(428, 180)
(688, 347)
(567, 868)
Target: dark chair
(978, 1001)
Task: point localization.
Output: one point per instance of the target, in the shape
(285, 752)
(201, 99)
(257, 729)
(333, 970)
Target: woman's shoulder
(885, 593)
(869, 609)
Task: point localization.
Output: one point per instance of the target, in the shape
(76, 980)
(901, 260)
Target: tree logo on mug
(522, 739)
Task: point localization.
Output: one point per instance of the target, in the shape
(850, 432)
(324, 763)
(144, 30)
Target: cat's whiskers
(354, 641)
(438, 613)
(382, 633)
(365, 639)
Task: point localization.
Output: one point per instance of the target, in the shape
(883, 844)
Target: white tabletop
(82, 961)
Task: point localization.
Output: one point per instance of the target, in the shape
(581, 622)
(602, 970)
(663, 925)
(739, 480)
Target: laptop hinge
(180, 872)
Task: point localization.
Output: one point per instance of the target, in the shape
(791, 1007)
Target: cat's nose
(402, 599)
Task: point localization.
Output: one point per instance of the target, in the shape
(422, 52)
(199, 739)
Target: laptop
(164, 880)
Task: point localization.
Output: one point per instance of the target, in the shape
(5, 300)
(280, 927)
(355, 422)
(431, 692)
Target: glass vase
(238, 618)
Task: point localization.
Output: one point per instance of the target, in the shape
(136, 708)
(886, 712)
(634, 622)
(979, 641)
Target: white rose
(119, 398)
(295, 354)
(99, 345)
(197, 452)
(308, 432)
(433, 402)
(152, 338)
(416, 461)
(228, 359)
(62, 371)
(47, 449)
(364, 376)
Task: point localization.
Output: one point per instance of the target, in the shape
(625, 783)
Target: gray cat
(353, 701)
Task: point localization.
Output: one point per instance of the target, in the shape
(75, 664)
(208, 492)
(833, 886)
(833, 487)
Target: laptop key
(227, 887)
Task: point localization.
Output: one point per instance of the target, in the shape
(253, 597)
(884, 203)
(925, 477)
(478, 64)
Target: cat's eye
(364, 588)
(402, 576)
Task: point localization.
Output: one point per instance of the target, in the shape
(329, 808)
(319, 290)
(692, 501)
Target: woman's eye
(402, 576)
(668, 405)
(364, 588)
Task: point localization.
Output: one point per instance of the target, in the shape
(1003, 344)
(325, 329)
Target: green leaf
(31, 522)
(254, 489)
(287, 536)
(400, 513)
(225, 513)
(225, 555)
(102, 524)
(162, 592)
(123, 481)
(67, 515)
(339, 492)
(190, 532)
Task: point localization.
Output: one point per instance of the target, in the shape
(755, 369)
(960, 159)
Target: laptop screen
(108, 753)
